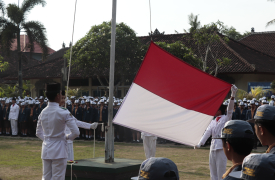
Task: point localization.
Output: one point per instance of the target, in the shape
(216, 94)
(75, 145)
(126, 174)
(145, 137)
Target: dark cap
(53, 88)
(236, 129)
(158, 169)
(259, 167)
(265, 112)
(14, 99)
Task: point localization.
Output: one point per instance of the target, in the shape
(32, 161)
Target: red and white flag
(171, 99)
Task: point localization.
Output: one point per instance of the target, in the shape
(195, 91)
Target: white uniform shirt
(14, 112)
(79, 124)
(271, 103)
(215, 128)
(51, 130)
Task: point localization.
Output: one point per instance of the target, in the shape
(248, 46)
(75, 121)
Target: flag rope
(102, 129)
(71, 55)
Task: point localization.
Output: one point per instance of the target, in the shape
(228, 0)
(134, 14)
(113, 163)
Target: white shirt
(215, 128)
(14, 112)
(80, 124)
(51, 130)
(271, 103)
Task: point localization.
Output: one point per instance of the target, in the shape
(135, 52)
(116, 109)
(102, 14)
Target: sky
(167, 15)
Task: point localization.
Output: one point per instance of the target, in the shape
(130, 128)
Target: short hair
(242, 146)
(223, 108)
(268, 124)
(51, 95)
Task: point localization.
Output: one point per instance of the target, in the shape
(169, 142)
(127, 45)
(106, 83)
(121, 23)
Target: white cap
(88, 101)
(252, 102)
(93, 103)
(82, 102)
(241, 104)
(41, 97)
(225, 103)
(76, 101)
(273, 96)
(72, 97)
(264, 98)
(23, 104)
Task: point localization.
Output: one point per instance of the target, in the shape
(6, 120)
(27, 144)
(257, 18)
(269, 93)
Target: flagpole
(109, 138)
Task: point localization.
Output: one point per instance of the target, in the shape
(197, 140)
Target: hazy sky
(167, 15)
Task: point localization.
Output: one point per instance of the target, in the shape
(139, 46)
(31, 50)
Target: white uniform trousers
(217, 164)
(149, 143)
(54, 169)
(14, 128)
(70, 150)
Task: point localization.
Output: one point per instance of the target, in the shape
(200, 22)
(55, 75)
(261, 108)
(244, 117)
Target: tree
(13, 21)
(179, 50)
(63, 45)
(232, 33)
(207, 39)
(3, 65)
(91, 54)
(194, 23)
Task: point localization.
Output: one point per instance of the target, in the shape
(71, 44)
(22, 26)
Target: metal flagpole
(109, 140)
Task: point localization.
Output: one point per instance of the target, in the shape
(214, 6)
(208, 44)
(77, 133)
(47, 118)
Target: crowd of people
(18, 116)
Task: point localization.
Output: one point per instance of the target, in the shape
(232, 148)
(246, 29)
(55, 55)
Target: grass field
(20, 158)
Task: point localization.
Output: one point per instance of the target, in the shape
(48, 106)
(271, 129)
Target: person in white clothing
(51, 130)
(13, 117)
(149, 143)
(70, 148)
(217, 158)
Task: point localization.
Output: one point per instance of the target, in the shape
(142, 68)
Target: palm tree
(12, 22)
(193, 22)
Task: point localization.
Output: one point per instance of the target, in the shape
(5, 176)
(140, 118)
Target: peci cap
(258, 167)
(265, 112)
(236, 129)
(53, 88)
(158, 169)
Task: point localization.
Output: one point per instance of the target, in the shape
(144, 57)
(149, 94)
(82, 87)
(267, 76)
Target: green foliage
(206, 38)
(193, 22)
(232, 33)
(3, 65)
(179, 50)
(91, 53)
(273, 86)
(74, 92)
(8, 90)
(256, 92)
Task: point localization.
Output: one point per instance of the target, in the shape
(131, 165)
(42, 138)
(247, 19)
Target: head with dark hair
(53, 92)
(265, 130)
(221, 110)
(240, 146)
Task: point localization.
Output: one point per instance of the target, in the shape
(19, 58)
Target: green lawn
(20, 158)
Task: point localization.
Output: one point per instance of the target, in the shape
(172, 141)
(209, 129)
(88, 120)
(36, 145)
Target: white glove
(234, 90)
(94, 125)
(197, 146)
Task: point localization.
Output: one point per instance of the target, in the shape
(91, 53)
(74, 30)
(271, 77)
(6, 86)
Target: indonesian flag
(171, 99)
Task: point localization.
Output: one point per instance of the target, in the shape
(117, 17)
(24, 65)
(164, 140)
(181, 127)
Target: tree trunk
(205, 59)
(20, 81)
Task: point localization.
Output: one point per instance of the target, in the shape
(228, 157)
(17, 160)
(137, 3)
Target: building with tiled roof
(24, 44)
(261, 41)
(247, 65)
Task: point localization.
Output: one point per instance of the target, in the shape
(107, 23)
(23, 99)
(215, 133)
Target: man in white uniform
(149, 144)
(217, 158)
(13, 117)
(51, 130)
(81, 124)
